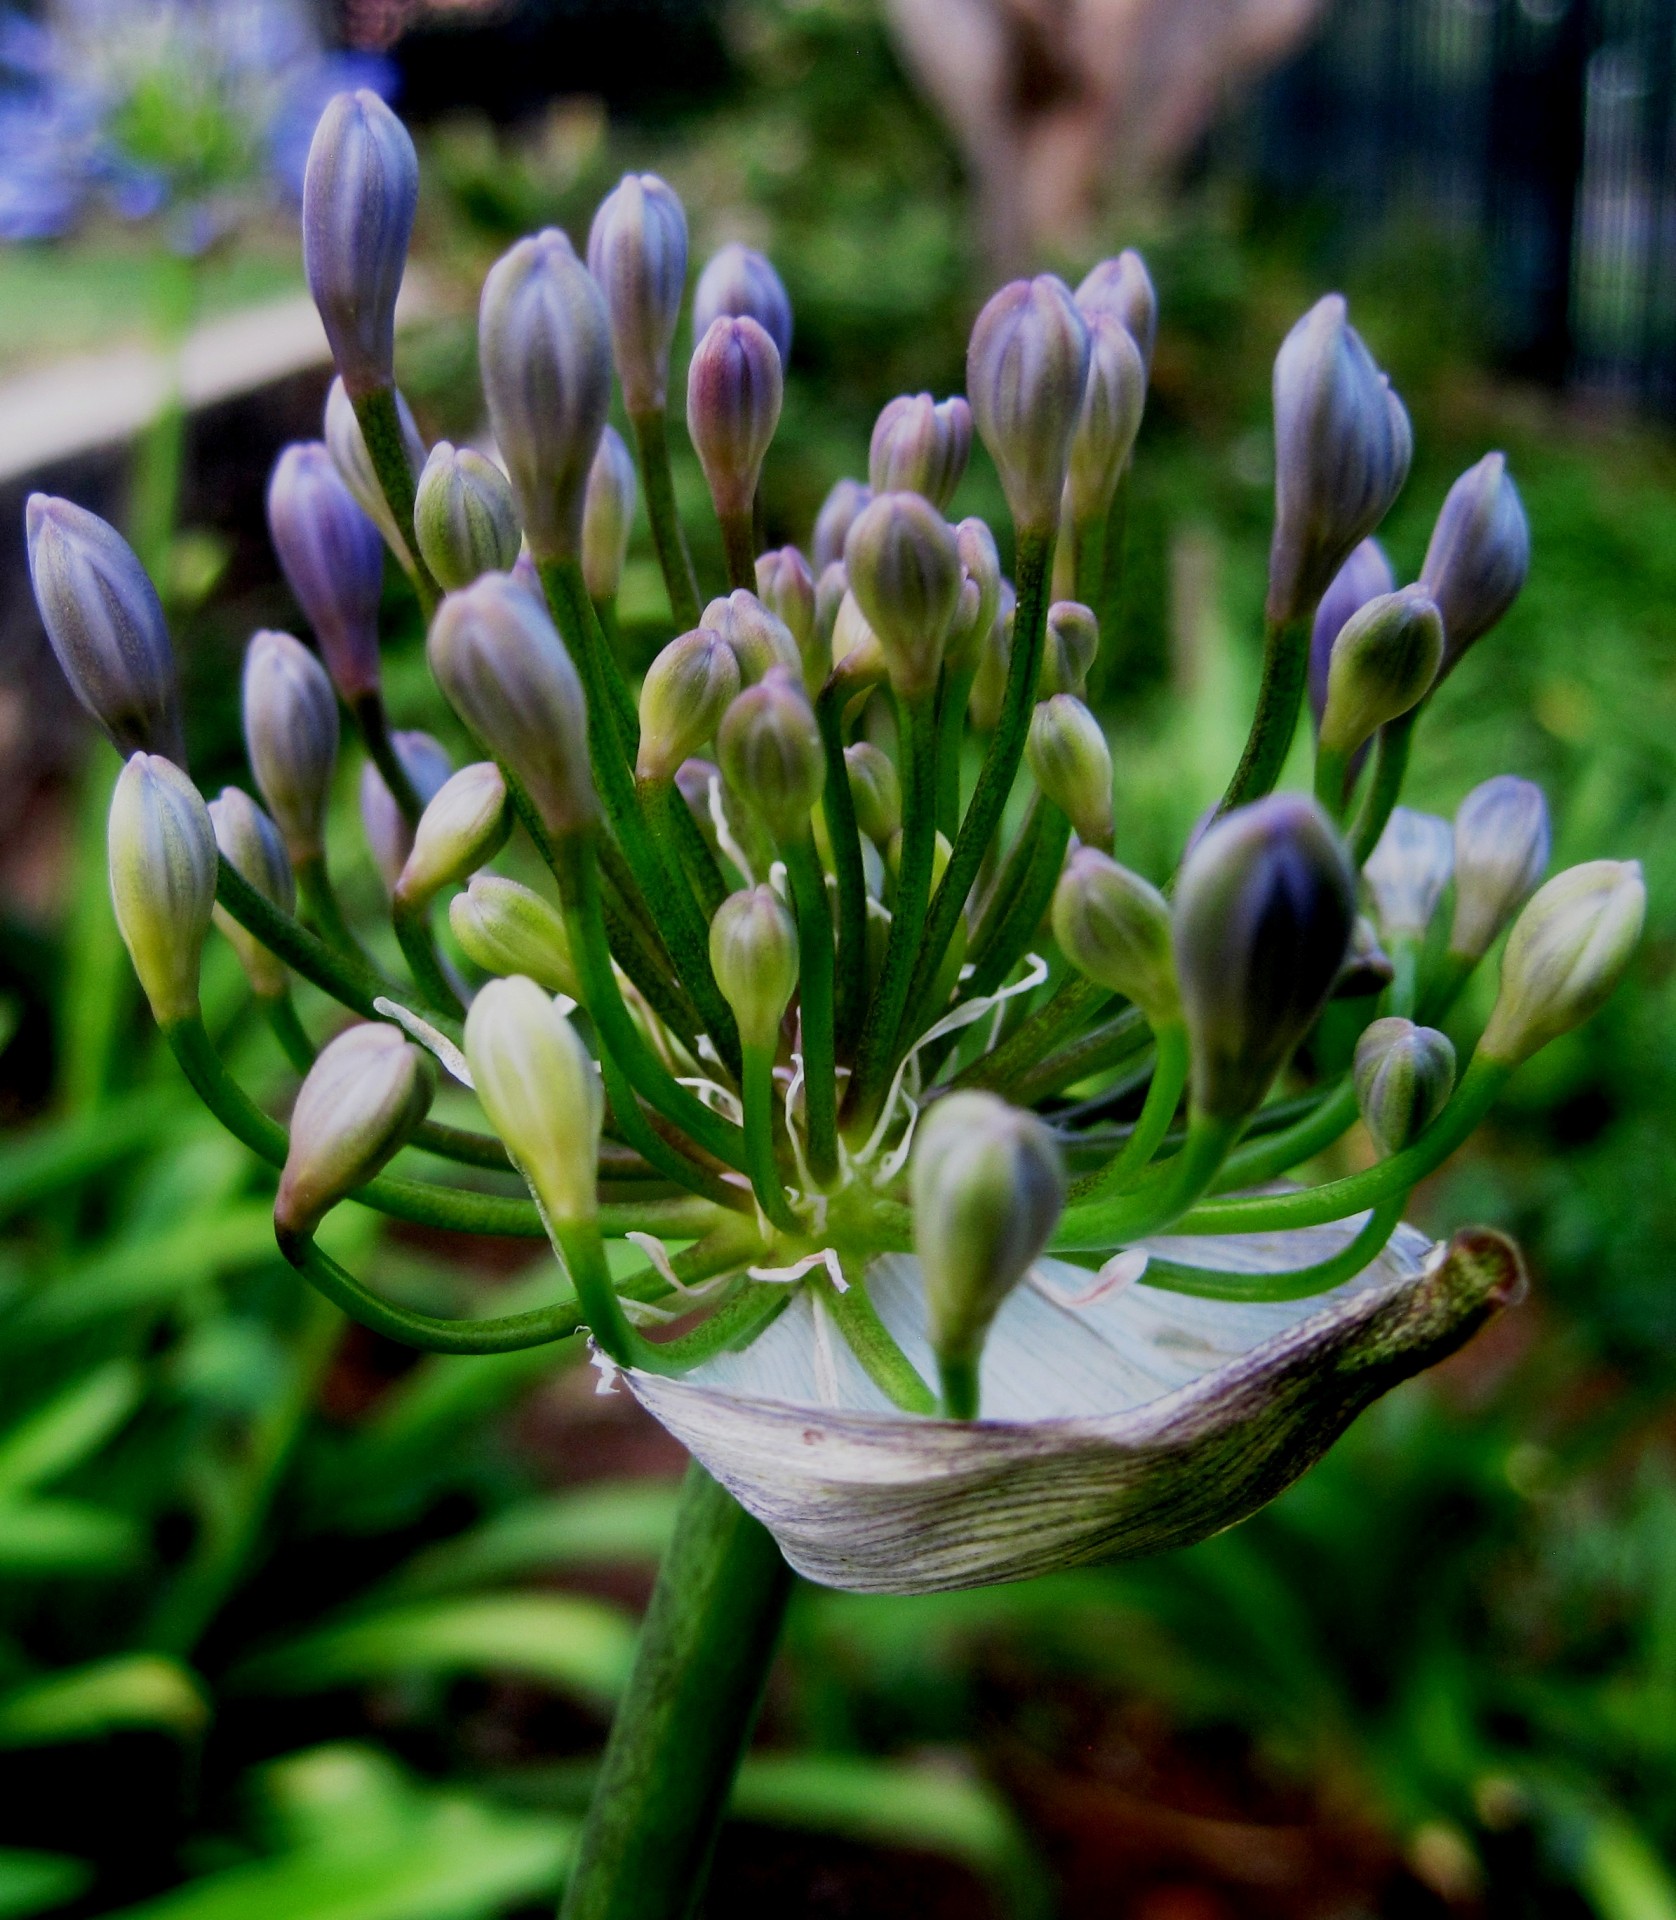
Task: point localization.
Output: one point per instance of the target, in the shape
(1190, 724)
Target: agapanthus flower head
(333, 559)
(740, 283)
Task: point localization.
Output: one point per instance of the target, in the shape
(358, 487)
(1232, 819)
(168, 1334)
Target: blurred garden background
(296, 1626)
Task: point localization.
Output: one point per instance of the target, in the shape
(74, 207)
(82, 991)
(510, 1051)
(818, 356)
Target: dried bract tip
(1404, 1076)
(637, 251)
(357, 1108)
(832, 523)
(741, 283)
(1026, 371)
(360, 193)
(291, 738)
(106, 625)
(1072, 765)
(687, 689)
(250, 843)
(464, 517)
(921, 446)
(770, 750)
(463, 828)
(1383, 663)
(1479, 554)
(608, 516)
(1112, 403)
(1566, 953)
(332, 556)
(753, 952)
(734, 390)
(162, 850)
(1123, 288)
(506, 928)
(1501, 852)
(1114, 927)
(904, 570)
(1408, 870)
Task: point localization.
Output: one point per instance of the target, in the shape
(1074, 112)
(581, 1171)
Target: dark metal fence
(1542, 130)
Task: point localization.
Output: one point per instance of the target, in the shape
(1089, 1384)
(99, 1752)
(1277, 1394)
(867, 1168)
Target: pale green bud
(505, 928)
(541, 1092)
(1566, 953)
(771, 753)
(687, 689)
(389, 837)
(1404, 1076)
(988, 1186)
(759, 639)
(1501, 852)
(980, 594)
(162, 860)
(608, 516)
(250, 842)
(462, 829)
(1383, 662)
(1114, 927)
(1072, 765)
(875, 791)
(857, 657)
(753, 953)
(464, 516)
(358, 1106)
(905, 573)
(1073, 639)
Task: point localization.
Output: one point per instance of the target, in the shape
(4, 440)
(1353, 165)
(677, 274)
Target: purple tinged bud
(389, 836)
(464, 826)
(608, 517)
(162, 850)
(333, 560)
(1112, 403)
(759, 639)
(875, 791)
(830, 590)
(1262, 920)
(1026, 371)
(544, 345)
(988, 1186)
(1363, 577)
(357, 1108)
(921, 446)
(1566, 953)
(348, 448)
(742, 283)
(504, 670)
(1403, 1076)
(770, 750)
(786, 587)
(1501, 852)
(833, 522)
(734, 390)
(637, 251)
(360, 192)
(753, 953)
(1383, 664)
(249, 842)
(687, 689)
(1123, 288)
(1342, 448)
(291, 738)
(989, 688)
(1073, 639)
(1479, 554)
(980, 595)
(505, 928)
(904, 570)
(542, 1094)
(464, 517)
(106, 625)
(1408, 870)
(1114, 928)
(1072, 765)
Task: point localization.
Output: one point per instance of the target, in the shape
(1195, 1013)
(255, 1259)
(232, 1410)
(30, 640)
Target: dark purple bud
(921, 446)
(1026, 369)
(291, 738)
(1479, 555)
(637, 251)
(106, 625)
(832, 523)
(360, 192)
(734, 390)
(742, 283)
(1123, 288)
(333, 559)
(1363, 577)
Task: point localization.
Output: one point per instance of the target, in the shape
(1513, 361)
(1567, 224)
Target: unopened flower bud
(608, 516)
(904, 570)
(687, 689)
(544, 346)
(356, 1109)
(360, 192)
(1114, 927)
(541, 1092)
(1479, 554)
(833, 522)
(348, 448)
(742, 283)
(734, 390)
(1342, 448)
(759, 639)
(753, 953)
(1072, 765)
(1408, 870)
(1073, 639)
(770, 749)
(1383, 663)
(1404, 1076)
(465, 825)
(875, 791)
(332, 557)
(1566, 953)
(857, 658)
(786, 587)
(988, 1186)
(921, 446)
(426, 763)
(464, 516)
(1123, 288)
(162, 861)
(506, 928)
(1026, 369)
(250, 843)
(291, 738)
(637, 251)
(1501, 852)
(980, 596)
(504, 670)
(830, 589)
(106, 625)
(989, 687)
(1112, 403)
(1363, 577)
(1262, 918)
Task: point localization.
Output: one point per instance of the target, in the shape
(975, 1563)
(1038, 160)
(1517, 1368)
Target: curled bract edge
(1134, 1423)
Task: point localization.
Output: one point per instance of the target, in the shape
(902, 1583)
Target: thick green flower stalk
(924, 1112)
